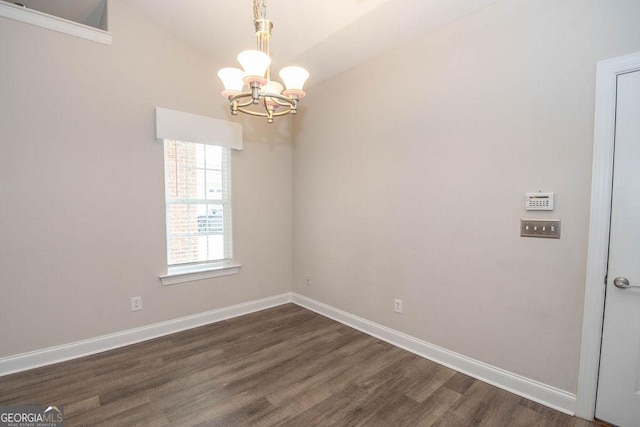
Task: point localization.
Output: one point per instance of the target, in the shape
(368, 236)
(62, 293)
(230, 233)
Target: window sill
(174, 278)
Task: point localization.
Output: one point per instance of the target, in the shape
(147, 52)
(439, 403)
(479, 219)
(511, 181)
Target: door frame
(599, 222)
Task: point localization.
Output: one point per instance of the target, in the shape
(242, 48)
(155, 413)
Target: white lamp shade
(272, 87)
(231, 79)
(254, 62)
(294, 77)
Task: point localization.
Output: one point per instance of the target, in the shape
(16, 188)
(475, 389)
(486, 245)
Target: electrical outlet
(308, 280)
(136, 303)
(397, 306)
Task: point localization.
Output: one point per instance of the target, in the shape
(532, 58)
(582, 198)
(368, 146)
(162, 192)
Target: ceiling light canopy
(250, 90)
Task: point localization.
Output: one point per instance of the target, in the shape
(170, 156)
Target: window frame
(186, 272)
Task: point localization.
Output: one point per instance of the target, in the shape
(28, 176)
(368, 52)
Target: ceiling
(327, 37)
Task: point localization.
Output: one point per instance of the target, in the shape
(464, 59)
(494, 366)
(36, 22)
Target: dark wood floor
(283, 366)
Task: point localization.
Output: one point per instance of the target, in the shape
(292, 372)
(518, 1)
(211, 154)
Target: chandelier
(251, 90)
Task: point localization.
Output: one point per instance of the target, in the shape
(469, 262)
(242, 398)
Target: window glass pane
(181, 178)
(216, 246)
(200, 184)
(200, 155)
(210, 219)
(181, 220)
(214, 157)
(171, 170)
(190, 170)
(210, 248)
(214, 185)
(182, 250)
(203, 219)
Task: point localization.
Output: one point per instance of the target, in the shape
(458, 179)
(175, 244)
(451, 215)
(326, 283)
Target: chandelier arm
(289, 103)
(247, 103)
(280, 99)
(253, 113)
(282, 113)
(264, 114)
(240, 96)
(277, 98)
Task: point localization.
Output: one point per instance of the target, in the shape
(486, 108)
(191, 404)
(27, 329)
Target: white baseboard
(533, 390)
(525, 387)
(48, 356)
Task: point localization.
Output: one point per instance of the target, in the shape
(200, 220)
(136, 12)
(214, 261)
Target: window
(198, 206)
(198, 194)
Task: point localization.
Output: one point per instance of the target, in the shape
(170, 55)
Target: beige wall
(82, 191)
(410, 173)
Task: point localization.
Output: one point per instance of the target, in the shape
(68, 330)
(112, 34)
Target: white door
(618, 400)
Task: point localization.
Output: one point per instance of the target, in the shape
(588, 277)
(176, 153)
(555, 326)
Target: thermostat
(539, 202)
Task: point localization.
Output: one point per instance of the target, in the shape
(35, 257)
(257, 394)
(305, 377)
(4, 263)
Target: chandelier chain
(259, 9)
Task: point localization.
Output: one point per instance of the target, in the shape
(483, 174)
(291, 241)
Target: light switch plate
(549, 228)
